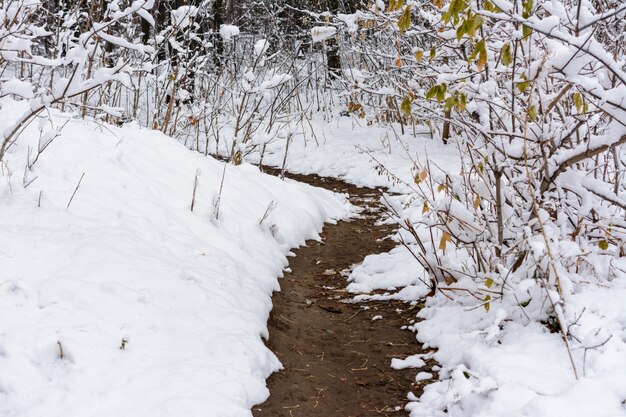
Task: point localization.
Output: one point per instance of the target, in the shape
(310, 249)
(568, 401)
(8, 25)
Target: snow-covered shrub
(63, 66)
(533, 94)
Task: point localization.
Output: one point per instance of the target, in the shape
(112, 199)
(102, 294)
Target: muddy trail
(337, 354)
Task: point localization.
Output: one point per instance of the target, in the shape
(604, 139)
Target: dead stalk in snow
(284, 166)
(271, 206)
(75, 190)
(216, 207)
(60, 350)
(195, 187)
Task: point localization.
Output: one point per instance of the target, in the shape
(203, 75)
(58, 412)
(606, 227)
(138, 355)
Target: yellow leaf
(445, 238)
(405, 20)
(523, 86)
(578, 101)
(442, 243)
(487, 303)
(394, 5)
(419, 54)
(421, 176)
(488, 282)
(425, 209)
(405, 106)
(477, 202)
(482, 60)
(505, 55)
(441, 187)
(398, 61)
(526, 31)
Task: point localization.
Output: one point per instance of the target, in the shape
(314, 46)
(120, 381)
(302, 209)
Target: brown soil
(336, 358)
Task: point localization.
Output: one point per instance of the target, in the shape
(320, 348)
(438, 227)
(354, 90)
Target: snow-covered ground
(115, 298)
(493, 363)
(127, 294)
(493, 366)
(371, 156)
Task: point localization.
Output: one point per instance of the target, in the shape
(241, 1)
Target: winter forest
(313, 208)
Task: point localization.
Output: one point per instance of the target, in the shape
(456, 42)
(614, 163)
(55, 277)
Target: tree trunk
(218, 42)
(333, 59)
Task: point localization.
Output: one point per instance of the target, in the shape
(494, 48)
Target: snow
(228, 32)
(351, 20)
(18, 87)
(182, 16)
(397, 268)
(347, 148)
(274, 81)
(423, 376)
(528, 365)
(414, 361)
(321, 33)
(260, 47)
(128, 263)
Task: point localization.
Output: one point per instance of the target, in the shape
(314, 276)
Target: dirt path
(336, 357)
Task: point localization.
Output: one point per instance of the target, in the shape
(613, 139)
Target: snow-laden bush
(59, 59)
(534, 95)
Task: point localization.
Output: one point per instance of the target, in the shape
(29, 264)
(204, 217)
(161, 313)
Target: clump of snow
(414, 361)
(17, 87)
(183, 16)
(122, 301)
(274, 80)
(351, 20)
(228, 32)
(321, 33)
(260, 47)
(423, 376)
(397, 268)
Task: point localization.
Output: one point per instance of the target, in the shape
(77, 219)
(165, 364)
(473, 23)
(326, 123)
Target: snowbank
(355, 153)
(493, 366)
(127, 303)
